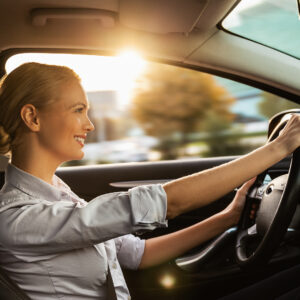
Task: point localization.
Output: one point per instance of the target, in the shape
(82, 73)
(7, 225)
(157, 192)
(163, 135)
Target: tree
(171, 103)
(272, 104)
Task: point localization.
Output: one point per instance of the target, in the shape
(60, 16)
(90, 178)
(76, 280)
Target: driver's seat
(9, 290)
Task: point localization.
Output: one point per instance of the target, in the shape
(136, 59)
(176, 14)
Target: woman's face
(65, 124)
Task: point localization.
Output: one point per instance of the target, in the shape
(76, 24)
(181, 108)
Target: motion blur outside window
(146, 111)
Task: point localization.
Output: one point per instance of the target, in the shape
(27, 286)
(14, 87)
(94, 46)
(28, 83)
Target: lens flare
(167, 281)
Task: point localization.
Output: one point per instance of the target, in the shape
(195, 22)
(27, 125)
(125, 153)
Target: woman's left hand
(236, 207)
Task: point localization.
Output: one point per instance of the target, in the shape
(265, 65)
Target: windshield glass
(274, 23)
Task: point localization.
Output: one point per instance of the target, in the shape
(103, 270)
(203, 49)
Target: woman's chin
(77, 156)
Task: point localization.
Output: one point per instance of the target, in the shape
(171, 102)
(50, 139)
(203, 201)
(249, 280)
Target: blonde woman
(54, 244)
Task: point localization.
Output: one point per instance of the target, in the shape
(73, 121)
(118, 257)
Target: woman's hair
(31, 83)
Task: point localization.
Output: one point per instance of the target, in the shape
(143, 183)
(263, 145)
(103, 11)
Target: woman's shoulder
(10, 197)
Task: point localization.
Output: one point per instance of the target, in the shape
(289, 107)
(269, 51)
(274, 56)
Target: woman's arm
(164, 248)
(190, 192)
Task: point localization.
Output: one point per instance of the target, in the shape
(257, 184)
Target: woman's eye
(79, 110)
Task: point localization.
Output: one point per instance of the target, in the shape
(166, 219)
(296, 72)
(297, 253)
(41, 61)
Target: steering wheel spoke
(252, 231)
(247, 241)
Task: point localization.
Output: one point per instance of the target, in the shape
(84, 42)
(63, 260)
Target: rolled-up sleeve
(130, 250)
(149, 206)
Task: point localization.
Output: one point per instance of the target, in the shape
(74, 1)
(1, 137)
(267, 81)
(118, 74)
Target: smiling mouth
(80, 140)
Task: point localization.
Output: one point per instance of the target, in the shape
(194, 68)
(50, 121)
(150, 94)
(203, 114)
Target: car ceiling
(176, 31)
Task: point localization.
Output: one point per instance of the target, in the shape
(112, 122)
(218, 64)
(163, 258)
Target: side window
(158, 112)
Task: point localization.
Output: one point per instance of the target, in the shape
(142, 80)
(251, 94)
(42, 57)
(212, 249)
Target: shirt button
(114, 265)
(129, 298)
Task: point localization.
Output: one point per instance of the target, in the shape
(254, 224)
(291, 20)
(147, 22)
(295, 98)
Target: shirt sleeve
(48, 227)
(149, 209)
(130, 250)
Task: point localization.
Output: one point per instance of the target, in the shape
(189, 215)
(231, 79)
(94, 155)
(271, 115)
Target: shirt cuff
(149, 206)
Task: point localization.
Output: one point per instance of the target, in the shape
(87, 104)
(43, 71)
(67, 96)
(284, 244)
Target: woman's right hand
(289, 137)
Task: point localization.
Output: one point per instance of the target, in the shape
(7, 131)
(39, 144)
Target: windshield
(274, 23)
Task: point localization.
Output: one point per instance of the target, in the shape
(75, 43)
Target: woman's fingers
(290, 134)
(237, 205)
(245, 187)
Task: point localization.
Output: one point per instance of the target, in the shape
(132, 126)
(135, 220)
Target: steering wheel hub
(269, 204)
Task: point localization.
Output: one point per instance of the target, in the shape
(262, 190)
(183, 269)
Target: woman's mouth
(80, 140)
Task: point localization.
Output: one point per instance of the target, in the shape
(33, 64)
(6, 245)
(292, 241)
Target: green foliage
(220, 142)
(172, 103)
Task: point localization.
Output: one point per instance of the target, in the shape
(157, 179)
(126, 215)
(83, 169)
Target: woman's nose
(89, 125)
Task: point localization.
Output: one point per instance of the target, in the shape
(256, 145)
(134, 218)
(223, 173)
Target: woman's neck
(34, 164)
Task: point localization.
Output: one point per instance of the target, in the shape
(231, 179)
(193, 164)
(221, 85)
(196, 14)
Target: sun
(130, 66)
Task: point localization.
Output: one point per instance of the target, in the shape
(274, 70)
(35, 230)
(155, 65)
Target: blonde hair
(31, 83)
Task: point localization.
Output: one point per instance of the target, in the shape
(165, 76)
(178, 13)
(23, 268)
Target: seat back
(2, 175)
(9, 290)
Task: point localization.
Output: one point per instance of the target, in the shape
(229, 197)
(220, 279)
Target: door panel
(91, 181)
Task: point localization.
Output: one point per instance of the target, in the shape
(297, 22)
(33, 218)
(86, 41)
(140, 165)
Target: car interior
(214, 37)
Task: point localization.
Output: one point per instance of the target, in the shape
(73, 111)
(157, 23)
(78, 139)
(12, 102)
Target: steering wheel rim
(283, 215)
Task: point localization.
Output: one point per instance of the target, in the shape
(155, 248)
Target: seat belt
(110, 287)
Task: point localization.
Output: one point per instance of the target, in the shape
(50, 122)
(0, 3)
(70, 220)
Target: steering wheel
(258, 238)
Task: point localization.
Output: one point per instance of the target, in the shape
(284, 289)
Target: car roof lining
(245, 53)
(203, 45)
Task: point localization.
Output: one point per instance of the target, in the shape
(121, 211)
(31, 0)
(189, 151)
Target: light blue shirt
(55, 245)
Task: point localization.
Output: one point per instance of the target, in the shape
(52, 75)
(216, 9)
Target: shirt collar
(30, 184)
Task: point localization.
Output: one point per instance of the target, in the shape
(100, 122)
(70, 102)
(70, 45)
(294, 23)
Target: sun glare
(97, 73)
(130, 66)
(167, 281)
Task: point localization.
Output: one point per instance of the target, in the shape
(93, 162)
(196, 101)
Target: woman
(54, 244)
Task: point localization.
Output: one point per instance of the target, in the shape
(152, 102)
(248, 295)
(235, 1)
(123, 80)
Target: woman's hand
(236, 207)
(289, 137)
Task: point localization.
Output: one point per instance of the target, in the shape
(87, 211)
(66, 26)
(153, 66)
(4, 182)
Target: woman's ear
(29, 115)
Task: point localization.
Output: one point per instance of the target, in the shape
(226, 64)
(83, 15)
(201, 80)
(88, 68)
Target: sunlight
(131, 65)
(167, 281)
(98, 73)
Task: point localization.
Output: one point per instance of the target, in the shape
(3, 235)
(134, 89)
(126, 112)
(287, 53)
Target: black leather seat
(2, 175)
(8, 289)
